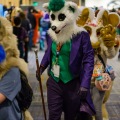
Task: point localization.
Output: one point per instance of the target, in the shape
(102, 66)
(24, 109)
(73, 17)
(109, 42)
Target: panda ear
(46, 6)
(72, 6)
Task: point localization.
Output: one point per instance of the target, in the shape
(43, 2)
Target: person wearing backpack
(11, 66)
(37, 15)
(32, 20)
(21, 34)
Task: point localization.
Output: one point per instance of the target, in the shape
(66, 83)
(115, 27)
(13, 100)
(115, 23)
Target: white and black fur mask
(63, 22)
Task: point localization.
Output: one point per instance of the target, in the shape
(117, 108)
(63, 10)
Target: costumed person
(32, 21)
(71, 59)
(10, 67)
(102, 31)
(9, 14)
(22, 36)
(118, 31)
(44, 26)
(37, 15)
(27, 26)
(14, 13)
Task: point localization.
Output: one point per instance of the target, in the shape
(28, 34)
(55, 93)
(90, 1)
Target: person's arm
(88, 61)
(46, 58)
(111, 52)
(88, 65)
(25, 35)
(2, 98)
(9, 86)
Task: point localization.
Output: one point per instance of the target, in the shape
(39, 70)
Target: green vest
(63, 62)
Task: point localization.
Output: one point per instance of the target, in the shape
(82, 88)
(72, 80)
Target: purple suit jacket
(81, 61)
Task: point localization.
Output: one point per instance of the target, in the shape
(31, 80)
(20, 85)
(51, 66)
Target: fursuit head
(63, 16)
(9, 53)
(101, 26)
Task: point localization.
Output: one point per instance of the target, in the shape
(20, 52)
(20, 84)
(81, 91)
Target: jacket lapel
(74, 47)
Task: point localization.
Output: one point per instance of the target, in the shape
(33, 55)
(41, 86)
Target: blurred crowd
(29, 26)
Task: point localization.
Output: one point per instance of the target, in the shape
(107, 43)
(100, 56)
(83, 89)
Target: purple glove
(37, 74)
(83, 93)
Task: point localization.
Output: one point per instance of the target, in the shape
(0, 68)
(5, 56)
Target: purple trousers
(63, 98)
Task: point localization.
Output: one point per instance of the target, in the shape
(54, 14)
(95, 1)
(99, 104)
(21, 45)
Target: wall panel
(41, 2)
(14, 2)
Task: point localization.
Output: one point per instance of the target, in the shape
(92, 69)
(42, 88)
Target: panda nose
(53, 28)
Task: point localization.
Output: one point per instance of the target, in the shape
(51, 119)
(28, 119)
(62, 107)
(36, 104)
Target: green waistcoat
(63, 62)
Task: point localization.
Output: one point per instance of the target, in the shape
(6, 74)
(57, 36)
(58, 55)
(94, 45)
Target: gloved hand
(38, 75)
(83, 93)
(108, 34)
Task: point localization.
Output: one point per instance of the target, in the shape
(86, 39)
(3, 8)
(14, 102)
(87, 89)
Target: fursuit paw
(83, 93)
(105, 119)
(27, 115)
(108, 34)
(104, 112)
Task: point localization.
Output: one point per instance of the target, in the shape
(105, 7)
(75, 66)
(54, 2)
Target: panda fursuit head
(63, 16)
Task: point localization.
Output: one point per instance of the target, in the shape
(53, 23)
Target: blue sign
(1, 10)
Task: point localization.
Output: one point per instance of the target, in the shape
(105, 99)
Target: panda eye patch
(61, 17)
(52, 16)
